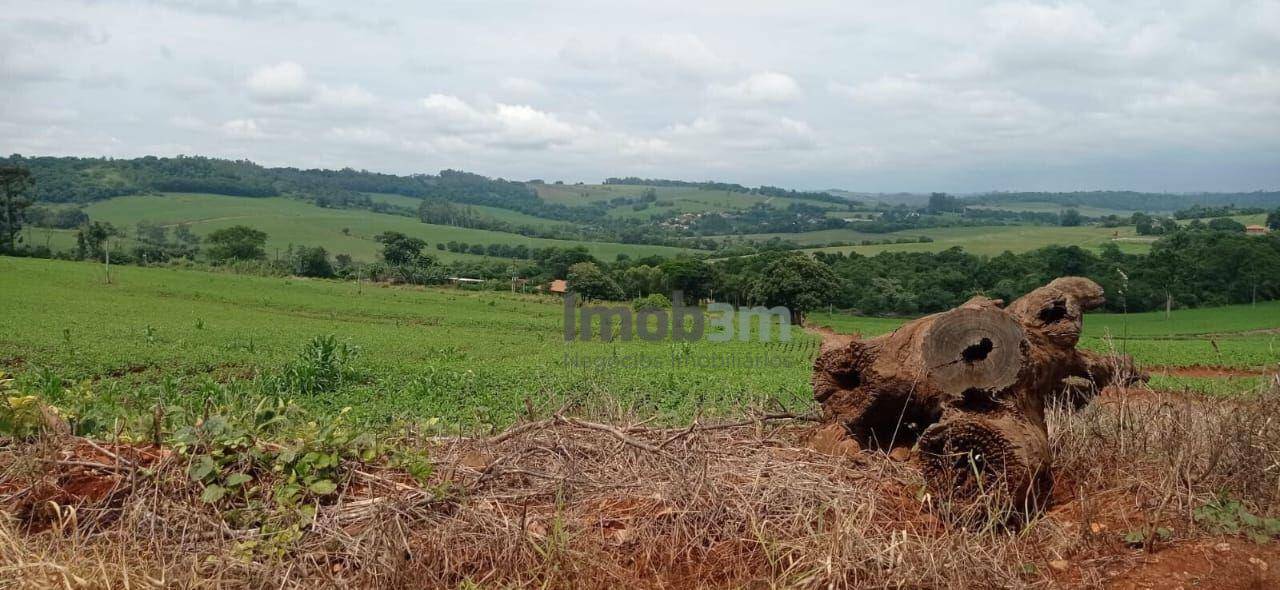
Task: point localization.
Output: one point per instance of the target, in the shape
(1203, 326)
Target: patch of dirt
(15, 362)
(128, 370)
(78, 476)
(1207, 371)
(830, 337)
(1255, 332)
(1216, 564)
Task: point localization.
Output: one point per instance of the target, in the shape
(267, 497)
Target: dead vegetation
(569, 501)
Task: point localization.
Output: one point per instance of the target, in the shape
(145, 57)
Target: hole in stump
(847, 379)
(1050, 315)
(977, 352)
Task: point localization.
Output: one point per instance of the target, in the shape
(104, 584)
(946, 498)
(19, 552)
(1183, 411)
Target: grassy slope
(288, 221)
(507, 215)
(460, 355)
(979, 240)
(1046, 207)
(684, 199)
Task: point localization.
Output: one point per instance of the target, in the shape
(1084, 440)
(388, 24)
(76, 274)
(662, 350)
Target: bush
(323, 365)
(652, 302)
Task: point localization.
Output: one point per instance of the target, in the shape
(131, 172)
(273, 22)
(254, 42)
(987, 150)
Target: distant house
(560, 286)
(465, 281)
(1256, 230)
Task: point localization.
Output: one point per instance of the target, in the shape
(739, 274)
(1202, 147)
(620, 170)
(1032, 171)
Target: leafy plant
(1225, 515)
(271, 467)
(323, 365)
(21, 416)
(1145, 536)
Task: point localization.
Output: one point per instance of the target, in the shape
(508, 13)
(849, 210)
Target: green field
(467, 357)
(989, 240)
(464, 356)
(1046, 207)
(513, 217)
(683, 199)
(289, 221)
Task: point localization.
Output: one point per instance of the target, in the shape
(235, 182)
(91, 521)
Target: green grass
(683, 199)
(1046, 207)
(289, 221)
(465, 356)
(507, 215)
(988, 240)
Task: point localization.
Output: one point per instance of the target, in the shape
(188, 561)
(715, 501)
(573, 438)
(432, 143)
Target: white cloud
(451, 113)
(525, 126)
(1057, 94)
(242, 129)
(749, 131)
(760, 87)
(284, 82)
(1038, 23)
(350, 96)
(504, 125)
(655, 56)
(370, 136)
(188, 123)
(522, 86)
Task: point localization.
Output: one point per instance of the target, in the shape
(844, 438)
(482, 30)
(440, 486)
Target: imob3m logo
(680, 323)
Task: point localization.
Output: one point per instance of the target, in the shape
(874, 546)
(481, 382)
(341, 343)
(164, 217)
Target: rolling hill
(290, 221)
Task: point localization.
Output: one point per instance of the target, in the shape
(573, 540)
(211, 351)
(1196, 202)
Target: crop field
(474, 357)
(683, 199)
(507, 215)
(465, 357)
(288, 221)
(1221, 350)
(1047, 207)
(989, 240)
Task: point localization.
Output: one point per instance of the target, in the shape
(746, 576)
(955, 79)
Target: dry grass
(568, 503)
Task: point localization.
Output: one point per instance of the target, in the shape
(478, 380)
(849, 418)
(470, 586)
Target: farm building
(560, 286)
(1256, 230)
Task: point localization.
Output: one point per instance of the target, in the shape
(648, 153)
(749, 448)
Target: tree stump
(968, 387)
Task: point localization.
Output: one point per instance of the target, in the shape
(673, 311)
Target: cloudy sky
(875, 96)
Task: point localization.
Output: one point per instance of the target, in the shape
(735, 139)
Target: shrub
(653, 302)
(323, 365)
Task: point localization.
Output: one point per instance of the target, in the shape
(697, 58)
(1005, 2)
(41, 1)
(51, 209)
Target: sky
(953, 96)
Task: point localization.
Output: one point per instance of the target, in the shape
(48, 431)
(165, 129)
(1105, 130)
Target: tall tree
(797, 282)
(15, 184)
(237, 242)
(398, 248)
(586, 279)
(91, 240)
(695, 278)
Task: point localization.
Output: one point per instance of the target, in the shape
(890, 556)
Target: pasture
(988, 240)
(290, 221)
(682, 199)
(465, 357)
(471, 357)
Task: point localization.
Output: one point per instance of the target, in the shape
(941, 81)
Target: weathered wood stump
(969, 387)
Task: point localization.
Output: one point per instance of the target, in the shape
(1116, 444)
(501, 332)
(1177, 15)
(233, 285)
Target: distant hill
(891, 199)
(768, 191)
(1131, 200)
